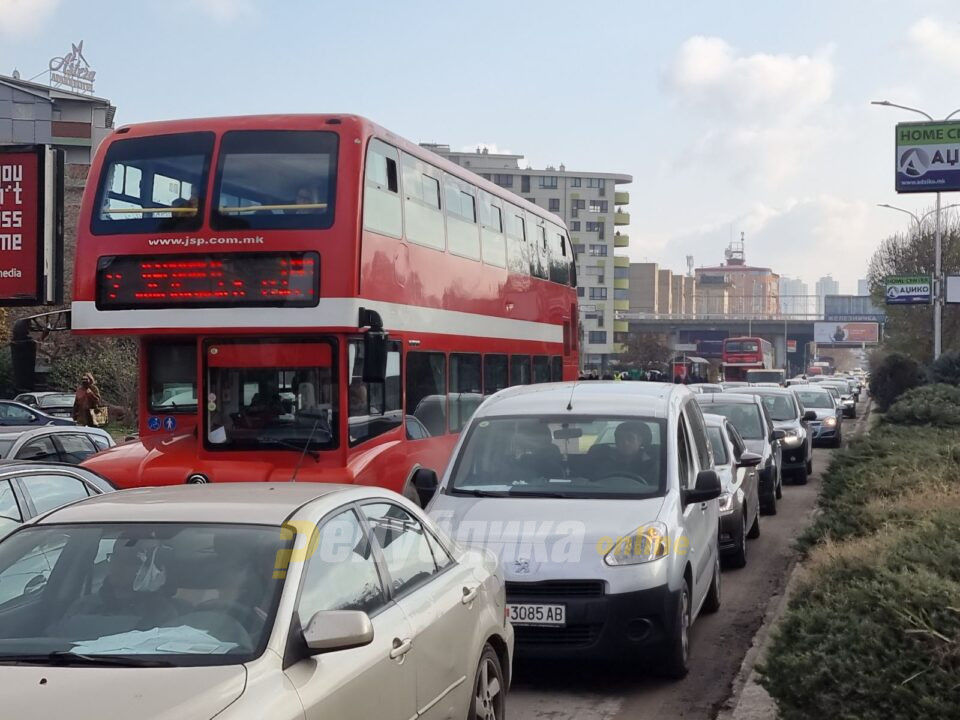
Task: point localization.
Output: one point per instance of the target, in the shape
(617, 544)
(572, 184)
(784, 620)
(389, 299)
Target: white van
(601, 501)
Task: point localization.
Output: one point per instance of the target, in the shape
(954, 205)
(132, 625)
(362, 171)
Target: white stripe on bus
(332, 312)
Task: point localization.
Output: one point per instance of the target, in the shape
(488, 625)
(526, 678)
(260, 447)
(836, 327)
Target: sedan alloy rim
(488, 703)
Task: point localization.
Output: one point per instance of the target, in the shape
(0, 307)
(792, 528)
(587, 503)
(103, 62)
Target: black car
(752, 421)
(28, 489)
(789, 415)
(20, 415)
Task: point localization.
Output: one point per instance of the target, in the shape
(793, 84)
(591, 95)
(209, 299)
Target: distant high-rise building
(592, 208)
(826, 286)
(863, 287)
(794, 296)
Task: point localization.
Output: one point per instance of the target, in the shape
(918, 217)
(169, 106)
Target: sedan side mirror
(425, 481)
(777, 435)
(708, 488)
(749, 459)
(809, 416)
(332, 630)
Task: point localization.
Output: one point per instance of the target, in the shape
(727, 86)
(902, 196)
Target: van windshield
(564, 457)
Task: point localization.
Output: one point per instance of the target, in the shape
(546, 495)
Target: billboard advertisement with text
(846, 333)
(21, 226)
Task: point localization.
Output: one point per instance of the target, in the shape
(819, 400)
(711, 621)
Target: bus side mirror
(374, 347)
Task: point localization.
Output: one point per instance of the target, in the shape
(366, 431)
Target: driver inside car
(633, 454)
(131, 597)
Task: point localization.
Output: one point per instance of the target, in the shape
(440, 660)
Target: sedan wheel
(488, 689)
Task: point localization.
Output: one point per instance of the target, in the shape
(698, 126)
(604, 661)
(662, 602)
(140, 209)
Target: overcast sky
(731, 116)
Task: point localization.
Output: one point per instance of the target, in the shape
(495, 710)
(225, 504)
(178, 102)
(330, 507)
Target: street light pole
(937, 280)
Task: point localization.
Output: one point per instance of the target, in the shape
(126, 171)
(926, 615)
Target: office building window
(575, 226)
(596, 183)
(597, 337)
(505, 181)
(548, 182)
(554, 205)
(574, 182)
(598, 206)
(598, 250)
(598, 293)
(581, 291)
(579, 249)
(524, 183)
(594, 226)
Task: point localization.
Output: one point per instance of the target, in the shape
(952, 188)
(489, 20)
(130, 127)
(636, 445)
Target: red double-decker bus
(313, 295)
(745, 353)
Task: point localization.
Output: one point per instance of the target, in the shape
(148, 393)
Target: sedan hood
(542, 531)
(98, 693)
(824, 413)
(787, 424)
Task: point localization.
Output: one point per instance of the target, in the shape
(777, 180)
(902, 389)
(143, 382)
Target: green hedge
(874, 631)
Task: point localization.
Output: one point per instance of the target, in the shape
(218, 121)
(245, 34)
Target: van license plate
(538, 614)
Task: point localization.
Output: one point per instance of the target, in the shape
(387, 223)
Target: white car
(247, 600)
(71, 444)
(601, 500)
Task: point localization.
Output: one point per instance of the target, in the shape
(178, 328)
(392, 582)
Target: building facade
(594, 211)
(794, 296)
(750, 290)
(826, 286)
(863, 287)
(665, 292)
(644, 286)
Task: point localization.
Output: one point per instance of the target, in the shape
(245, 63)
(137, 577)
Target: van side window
(684, 458)
(698, 429)
(381, 193)
(427, 390)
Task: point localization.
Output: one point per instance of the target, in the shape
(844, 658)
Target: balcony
(621, 240)
(621, 261)
(621, 305)
(621, 218)
(621, 326)
(621, 283)
(618, 349)
(621, 198)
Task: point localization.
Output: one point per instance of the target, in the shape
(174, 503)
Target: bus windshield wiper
(69, 657)
(305, 448)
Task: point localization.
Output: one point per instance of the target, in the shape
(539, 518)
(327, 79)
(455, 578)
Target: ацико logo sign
(928, 157)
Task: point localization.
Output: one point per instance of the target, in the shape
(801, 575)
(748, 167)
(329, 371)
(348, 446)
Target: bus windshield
(742, 346)
(271, 396)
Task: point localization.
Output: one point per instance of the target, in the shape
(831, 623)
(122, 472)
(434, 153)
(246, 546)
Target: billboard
(846, 333)
(848, 308)
(909, 290)
(927, 157)
(31, 225)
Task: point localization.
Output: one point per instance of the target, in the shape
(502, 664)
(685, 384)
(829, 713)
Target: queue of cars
(578, 520)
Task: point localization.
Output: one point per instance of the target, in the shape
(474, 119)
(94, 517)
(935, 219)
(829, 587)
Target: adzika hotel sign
(31, 225)
(928, 157)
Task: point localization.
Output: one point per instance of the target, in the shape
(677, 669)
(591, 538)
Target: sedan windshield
(568, 457)
(172, 594)
(745, 418)
(780, 407)
(815, 399)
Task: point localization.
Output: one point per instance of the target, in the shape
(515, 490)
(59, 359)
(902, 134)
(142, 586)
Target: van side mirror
(809, 416)
(749, 459)
(332, 630)
(425, 482)
(707, 488)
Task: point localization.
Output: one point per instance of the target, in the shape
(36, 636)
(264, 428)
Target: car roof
(589, 397)
(713, 420)
(759, 390)
(16, 431)
(809, 387)
(240, 503)
(725, 398)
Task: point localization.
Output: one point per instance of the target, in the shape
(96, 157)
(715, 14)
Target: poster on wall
(31, 225)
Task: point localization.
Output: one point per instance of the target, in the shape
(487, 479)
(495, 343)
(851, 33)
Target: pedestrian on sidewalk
(87, 401)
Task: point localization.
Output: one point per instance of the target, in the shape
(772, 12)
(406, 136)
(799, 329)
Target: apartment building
(594, 211)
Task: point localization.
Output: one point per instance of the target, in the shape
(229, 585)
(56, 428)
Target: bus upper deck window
(275, 179)
(153, 184)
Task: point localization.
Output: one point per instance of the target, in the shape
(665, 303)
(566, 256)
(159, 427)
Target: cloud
(227, 10)
(709, 73)
(937, 43)
(23, 16)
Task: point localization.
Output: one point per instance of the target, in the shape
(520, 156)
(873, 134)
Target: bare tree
(646, 350)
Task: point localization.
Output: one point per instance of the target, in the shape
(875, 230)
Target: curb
(748, 699)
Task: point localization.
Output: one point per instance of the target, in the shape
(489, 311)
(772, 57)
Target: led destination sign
(289, 279)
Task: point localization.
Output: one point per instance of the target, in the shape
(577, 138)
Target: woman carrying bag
(88, 407)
